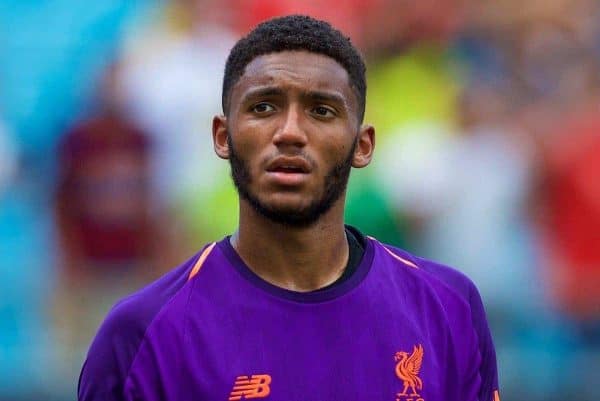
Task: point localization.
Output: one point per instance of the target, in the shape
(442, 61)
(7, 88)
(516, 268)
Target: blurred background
(488, 159)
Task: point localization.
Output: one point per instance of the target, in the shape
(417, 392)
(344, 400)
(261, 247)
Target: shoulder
(118, 339)
(454, 292)
(444, 277)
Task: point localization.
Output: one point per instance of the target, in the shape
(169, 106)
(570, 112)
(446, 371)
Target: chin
(296, 214)
(287, 208)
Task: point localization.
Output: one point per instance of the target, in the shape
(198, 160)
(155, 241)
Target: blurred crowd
(488, 159)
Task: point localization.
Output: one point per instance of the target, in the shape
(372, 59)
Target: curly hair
(296, 32)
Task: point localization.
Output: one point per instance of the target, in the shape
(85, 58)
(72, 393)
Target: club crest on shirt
(407, 370)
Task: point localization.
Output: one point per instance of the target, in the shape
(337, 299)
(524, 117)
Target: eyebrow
(261, 92)
(327, 97)
(313, 95)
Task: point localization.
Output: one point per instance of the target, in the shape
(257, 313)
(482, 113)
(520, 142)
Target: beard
(335, 183)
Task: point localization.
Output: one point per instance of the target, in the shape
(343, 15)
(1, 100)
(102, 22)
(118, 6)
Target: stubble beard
(335, 184)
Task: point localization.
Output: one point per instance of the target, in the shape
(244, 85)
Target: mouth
(292, 165)
(288, 170)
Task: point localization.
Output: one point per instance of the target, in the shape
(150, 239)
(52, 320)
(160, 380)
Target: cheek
(252, 134)
(338, 150)
(248, 152)
(253, 138)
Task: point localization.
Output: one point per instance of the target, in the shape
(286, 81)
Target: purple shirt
(399, 329)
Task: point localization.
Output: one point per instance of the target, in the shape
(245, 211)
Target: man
(294, 305)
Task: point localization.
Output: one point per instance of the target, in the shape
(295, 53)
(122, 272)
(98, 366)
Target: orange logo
(407, 370)
(256, 386)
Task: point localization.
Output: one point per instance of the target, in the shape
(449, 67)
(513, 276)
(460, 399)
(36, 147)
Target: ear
(365, 145)
(219, 133)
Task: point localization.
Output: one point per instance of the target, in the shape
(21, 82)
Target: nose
(292, 131)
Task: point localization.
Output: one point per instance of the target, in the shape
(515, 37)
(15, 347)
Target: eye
(261, 108)
(324, 111)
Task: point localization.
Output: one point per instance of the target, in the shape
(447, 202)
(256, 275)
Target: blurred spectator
(466, 194)
(108, 224)
(104, 213)
(104, 204)
(572, 217)
(568, 211)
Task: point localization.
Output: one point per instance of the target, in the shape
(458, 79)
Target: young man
(294, 305)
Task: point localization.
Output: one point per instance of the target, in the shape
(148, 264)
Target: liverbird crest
(407, 370)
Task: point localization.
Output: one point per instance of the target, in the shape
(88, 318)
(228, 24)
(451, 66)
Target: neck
(295, 258)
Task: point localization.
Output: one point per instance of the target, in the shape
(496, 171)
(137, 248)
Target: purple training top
(399, 329)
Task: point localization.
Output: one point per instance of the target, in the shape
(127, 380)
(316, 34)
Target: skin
(293, 104)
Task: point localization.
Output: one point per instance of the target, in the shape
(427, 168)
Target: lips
(288, 171)
(290, 165)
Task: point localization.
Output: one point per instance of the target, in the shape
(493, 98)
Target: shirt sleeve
(111, 354)
(121, 335)
(488, 369)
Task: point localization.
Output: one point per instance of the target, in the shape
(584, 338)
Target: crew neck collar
(304, 297)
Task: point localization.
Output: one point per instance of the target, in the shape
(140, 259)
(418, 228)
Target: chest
(361, 349)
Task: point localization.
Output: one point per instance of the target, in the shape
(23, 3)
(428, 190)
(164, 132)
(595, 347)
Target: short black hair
(296, 32)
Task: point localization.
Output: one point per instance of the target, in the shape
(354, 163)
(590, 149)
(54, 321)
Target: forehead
(299, 70)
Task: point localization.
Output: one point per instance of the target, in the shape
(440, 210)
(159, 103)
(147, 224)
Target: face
(292, 134)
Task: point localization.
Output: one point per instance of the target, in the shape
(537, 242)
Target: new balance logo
(246, 387)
